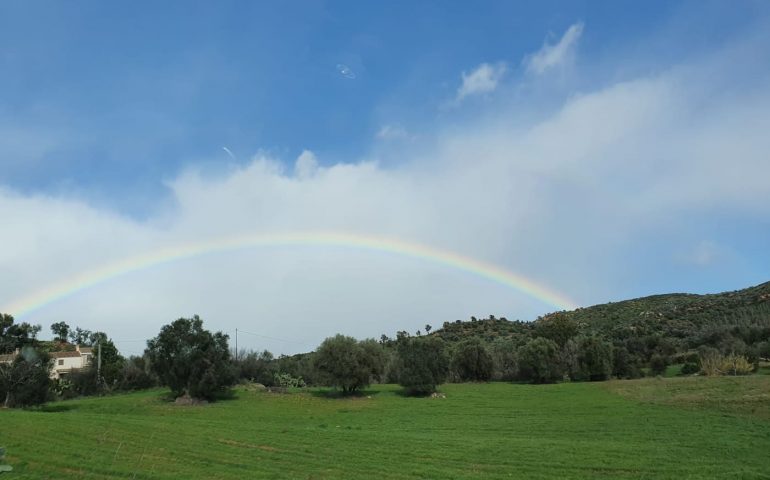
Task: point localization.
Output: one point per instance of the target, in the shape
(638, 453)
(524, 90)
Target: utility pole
(99, 363)
(236, 344)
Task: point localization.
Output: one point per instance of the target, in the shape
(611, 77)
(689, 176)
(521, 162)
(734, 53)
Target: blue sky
(113, 116)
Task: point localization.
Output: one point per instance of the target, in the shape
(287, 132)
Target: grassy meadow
(652, 428)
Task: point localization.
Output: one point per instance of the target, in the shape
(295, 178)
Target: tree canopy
(191, 360)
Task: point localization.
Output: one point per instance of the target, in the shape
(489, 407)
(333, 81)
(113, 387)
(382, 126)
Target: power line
(274, 338)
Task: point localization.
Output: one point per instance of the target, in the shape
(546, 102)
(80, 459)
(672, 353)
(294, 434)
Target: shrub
(422, 364)
(690, 368)
(658, 364)
(595, 358)
(472, 362)
(26, 381)
(503, 351)
(539, 361)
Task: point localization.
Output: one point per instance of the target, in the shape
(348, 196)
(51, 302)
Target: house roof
(65, 355)
(86, 350)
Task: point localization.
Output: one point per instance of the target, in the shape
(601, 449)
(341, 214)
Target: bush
(191, 360)
(349, 364)
(690, 368)
(137, 375)
(257, 367)
(422, 364)
(472, 362)
(503, 351)
(26, 381)
(595, 358)
(625, 364)
(539, 361)
(658, 364)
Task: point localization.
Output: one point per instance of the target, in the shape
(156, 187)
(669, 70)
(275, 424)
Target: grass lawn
(656, 428)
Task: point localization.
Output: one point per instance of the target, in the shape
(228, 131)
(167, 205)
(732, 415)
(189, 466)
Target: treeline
(724, 334)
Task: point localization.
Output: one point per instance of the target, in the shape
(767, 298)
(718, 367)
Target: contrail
(229, 152)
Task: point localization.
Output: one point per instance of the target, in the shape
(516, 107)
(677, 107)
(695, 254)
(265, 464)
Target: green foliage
(15, 335)
(191, 360)
(539, 361)
(257, 367)
(472, 362)
(137, 374)
(503, 351)
(625, 364)
(595, 358)
(60, 330)
(346, 363)
(558, 327)
(658, 364)
(26, 380)
(422, 364)
(285, 380)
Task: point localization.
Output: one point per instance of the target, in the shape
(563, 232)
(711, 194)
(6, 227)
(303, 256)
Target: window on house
(61, 362)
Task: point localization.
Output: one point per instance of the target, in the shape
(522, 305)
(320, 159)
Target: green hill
(681, 317)
(678, 315)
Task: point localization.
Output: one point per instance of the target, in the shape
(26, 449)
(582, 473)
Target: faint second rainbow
(71, 285)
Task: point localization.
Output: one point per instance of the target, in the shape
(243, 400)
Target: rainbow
(69, 286)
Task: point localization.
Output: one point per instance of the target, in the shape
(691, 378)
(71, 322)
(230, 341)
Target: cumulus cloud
(553, 55)
(561, 200)
(483, 79)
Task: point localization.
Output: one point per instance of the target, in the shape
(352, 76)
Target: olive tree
(423, 364)
(191, 360)
(346, 363)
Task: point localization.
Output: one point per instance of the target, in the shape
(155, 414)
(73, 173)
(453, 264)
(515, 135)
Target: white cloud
(483, 79)
(553, 55)
(393, 132)
(563, 200)
(306, 165)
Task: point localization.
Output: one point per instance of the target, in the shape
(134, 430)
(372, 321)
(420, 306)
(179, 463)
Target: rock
(437, 395)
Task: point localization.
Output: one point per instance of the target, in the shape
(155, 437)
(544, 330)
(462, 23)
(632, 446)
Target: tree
(428, 328)
(26, 380)
(113, 364)
(60, 330)
(472, 362)
(595, 358)
(658, 364)
(423, 364)
(625, 364)
(191, 360)
(15, 335)
(503, 351)
(80, 336)
(557, 327)
(539, 361)
(346, 363)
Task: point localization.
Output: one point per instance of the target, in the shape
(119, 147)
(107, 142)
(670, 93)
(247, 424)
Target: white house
(64, 363)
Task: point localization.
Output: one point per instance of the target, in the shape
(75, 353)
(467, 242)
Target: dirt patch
(186, 400)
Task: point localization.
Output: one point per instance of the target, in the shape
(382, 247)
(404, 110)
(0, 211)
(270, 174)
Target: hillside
(677, 315)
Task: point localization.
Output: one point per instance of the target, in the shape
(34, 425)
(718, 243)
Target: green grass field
(654, 428)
